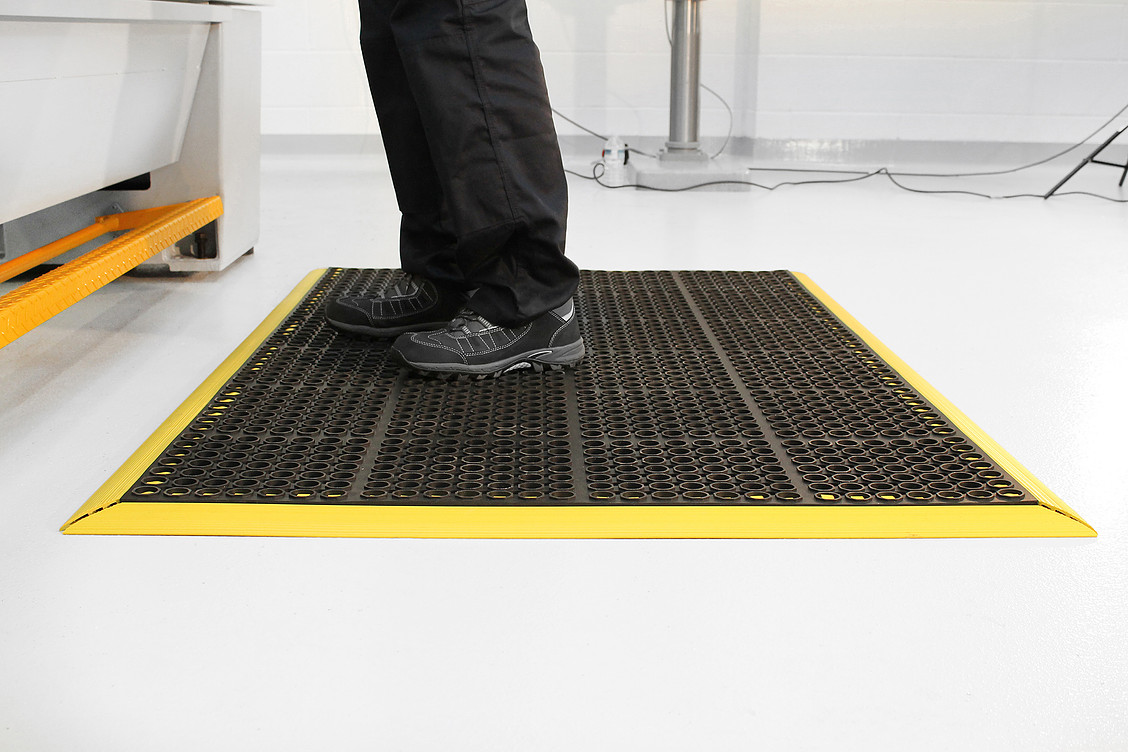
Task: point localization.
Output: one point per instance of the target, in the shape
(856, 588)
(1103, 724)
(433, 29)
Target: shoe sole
(390, 331)
(538, 361)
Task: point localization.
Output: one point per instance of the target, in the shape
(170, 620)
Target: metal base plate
(711, 404)
(674, 175)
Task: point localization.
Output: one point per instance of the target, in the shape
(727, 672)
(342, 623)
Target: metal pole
(685, 77)
(1092, 158)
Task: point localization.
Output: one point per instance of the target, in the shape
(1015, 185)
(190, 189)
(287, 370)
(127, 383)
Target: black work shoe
(471, 345)
(411, 304)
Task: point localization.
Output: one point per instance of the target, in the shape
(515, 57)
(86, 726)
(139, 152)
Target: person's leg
(434, 289)
(476, 78)
(427, 245)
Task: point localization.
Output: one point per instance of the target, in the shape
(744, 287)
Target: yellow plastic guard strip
(341, 521)
(1003, 458)
(155, 229)
(119, 483)
(105, 514)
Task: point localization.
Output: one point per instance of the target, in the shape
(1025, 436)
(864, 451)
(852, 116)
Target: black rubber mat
(726, 388)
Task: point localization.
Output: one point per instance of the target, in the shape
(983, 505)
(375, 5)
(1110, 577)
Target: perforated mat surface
(723, 398)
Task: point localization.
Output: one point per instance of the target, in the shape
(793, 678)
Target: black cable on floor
(859, 176)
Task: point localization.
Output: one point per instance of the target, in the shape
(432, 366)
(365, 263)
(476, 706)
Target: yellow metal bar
(32, 259)
(134, 219)
(34, 302)
(1003, 458)
(102, 225)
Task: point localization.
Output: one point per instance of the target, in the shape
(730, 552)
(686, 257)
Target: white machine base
(100, 91)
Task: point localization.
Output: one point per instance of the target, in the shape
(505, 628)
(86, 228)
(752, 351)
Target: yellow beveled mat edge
(1038, 489)
(104, 515)
(345, 521)
(112, 490)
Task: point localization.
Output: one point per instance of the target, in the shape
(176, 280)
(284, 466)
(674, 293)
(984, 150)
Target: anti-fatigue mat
(710, 404)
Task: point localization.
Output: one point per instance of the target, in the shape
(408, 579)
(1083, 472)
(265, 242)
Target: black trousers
(463, 109)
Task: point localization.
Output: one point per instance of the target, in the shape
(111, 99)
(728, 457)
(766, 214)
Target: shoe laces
(404, 287)
(468, 323)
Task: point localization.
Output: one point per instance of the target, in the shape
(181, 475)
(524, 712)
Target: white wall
(951, 70)
(313, 77)
(606, 61)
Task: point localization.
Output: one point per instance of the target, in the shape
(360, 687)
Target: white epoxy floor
(1014, 310)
